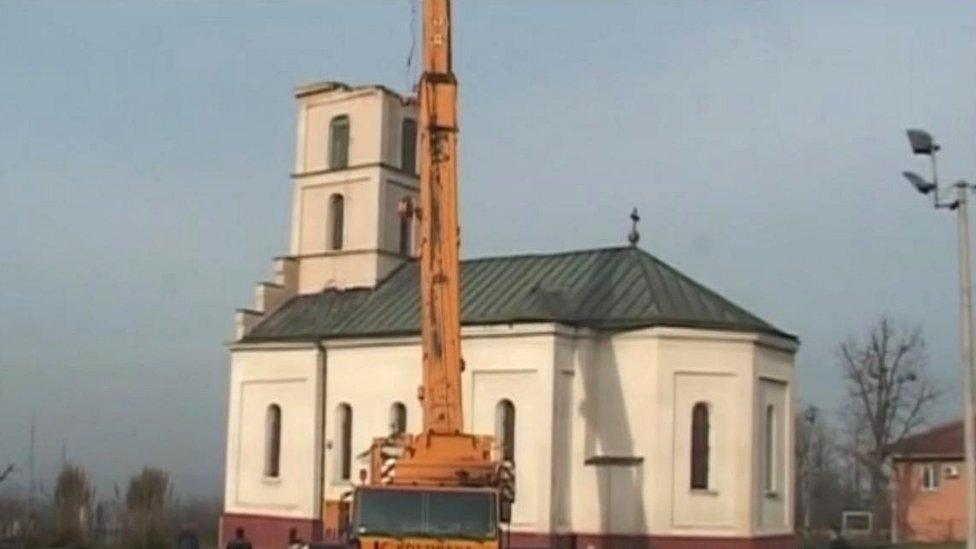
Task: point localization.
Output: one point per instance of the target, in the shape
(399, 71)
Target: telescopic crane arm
(439, 265)
(442, 454)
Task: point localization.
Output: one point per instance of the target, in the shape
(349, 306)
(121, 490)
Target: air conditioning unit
(950, 471)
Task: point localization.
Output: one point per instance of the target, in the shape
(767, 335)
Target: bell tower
(355, 162)
(356, 170)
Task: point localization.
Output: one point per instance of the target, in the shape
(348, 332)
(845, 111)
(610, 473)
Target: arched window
(769, 450)
(505, 428)
(408, 145)
(272, 441)
(337, 206)
(339, 142)
(700, 450)
(406, 230)
(343, 436)
(398, 418)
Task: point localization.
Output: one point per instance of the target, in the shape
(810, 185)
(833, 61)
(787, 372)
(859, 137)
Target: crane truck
(442, 487)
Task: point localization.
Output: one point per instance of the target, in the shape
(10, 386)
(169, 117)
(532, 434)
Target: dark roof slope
(613, 288)
(941, 440)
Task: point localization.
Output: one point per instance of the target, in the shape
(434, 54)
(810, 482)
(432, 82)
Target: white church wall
(356, 264)
(633, 396)
(513, 363)
(563, 451)
(577, 396)
(715, 368)
(360, 197)
(394, 111)
(370, 224)
(611, 382)
(369, 378)
(397, 187)
(364, 107)
(291, 379)
(774, 372)
(517, 367)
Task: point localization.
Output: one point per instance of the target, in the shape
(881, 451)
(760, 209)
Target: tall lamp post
(923, 144)
(810, 418)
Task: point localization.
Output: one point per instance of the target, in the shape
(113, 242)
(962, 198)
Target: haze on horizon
(146, 148)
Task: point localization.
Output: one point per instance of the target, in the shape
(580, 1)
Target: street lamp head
(922, 142)
(919, 183)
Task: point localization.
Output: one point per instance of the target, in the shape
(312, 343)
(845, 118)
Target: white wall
(371, 187)
(774, 372)
(501, 363)
(632, 396)
(292, 379)
(577, 395)
(364, 107)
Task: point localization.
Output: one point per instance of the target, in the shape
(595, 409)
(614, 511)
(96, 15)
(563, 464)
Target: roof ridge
(738, 308)
(526, 255)
(938, 427)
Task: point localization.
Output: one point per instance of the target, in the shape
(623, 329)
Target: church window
(406, 231)
(336, 217)
(272, 441)
(398, 418)
(339, 142)
(344, 441)
(408, 145)
(769, 450)
(700, 450)
(505, 429)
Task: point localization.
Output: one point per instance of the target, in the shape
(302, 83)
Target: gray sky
(145, 149)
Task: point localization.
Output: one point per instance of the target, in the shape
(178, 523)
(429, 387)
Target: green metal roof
(612, 288)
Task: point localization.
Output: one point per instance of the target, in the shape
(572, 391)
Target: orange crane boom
(425, 481)
(420, 484)
(442, 454)
(439, 266)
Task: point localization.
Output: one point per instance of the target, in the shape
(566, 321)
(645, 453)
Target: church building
(640, 408)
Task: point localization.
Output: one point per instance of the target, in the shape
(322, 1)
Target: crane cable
(410, 82)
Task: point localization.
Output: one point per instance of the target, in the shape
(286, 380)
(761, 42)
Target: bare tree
(890, 393)
(72, 500)
(5, 472)
(821, 486)
(146, 500)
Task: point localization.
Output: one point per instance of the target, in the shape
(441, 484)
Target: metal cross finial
(634, 235)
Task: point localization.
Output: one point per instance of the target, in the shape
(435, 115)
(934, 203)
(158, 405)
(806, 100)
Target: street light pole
(810, 417)
(923, 143)
(966, 327)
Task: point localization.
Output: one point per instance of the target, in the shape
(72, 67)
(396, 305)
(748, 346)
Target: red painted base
(266, 532)
(610, 541)
(272, 533)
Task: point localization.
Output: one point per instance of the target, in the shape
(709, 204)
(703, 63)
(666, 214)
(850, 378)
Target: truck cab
(387, 517)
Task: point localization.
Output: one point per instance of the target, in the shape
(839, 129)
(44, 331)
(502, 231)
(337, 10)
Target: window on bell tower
(408, 146)
(339, 142)
(336, 215)
(406, 231)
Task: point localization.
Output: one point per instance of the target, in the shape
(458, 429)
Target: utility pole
(31, 482)
(966, 323)
(923, 144)
(810, 418)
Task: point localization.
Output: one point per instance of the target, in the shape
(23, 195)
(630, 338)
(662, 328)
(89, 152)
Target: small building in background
(928, 486)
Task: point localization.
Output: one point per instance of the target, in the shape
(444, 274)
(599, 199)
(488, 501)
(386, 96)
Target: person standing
(187, 539)
(295, 542)
(239, 541)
